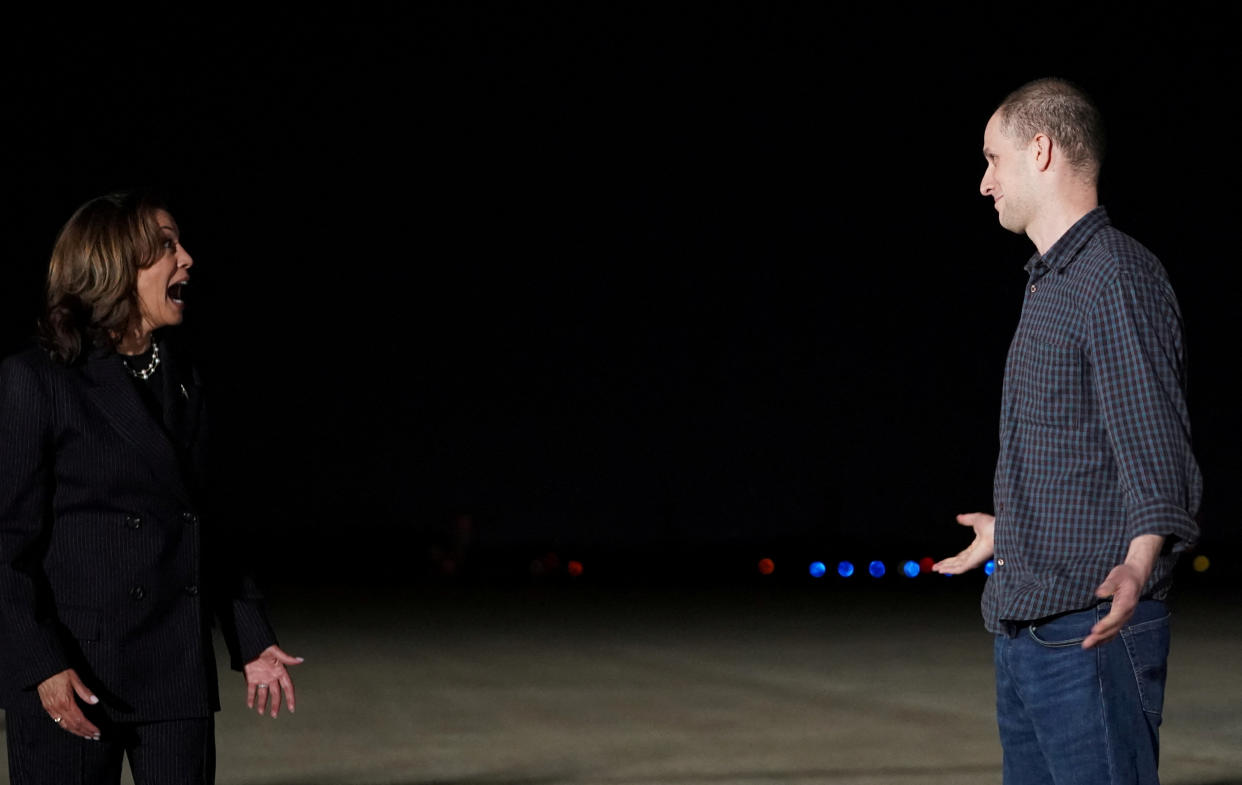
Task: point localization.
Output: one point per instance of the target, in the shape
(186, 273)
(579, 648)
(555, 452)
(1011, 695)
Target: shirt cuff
(1168, 520)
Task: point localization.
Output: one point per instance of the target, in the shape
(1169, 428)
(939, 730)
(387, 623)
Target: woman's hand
(57, 694)
(266, 679)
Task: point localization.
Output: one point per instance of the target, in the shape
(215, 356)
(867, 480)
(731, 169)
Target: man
(1096, 486)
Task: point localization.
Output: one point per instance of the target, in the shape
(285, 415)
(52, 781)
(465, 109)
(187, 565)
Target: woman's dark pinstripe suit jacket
(107, 560)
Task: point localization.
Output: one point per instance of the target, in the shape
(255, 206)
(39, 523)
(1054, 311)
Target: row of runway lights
(845, 569)
(876, 569)
(913, 569)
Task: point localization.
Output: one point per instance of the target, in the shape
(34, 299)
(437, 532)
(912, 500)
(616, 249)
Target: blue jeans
(1074, 716)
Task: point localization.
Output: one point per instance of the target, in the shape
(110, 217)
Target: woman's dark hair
(92, 277)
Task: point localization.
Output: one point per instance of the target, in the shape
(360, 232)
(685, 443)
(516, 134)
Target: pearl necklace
(145, 373)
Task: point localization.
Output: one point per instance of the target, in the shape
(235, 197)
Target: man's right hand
(978, 552)
(57, 694)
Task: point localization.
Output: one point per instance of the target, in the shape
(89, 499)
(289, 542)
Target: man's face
(1008, 178)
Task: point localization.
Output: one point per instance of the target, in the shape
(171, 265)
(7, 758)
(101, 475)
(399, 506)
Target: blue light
(989, 568)
(911, 569)
(818, 569)
(845, 569)
(876, 568)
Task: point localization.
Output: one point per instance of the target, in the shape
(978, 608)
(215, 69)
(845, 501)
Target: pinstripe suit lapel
(182, 396)
(112, 391)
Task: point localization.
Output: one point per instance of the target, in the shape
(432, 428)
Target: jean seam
(1103, 707)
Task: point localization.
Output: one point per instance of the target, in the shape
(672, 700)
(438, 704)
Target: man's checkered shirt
(1094, 433)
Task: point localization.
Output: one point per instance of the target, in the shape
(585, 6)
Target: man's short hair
(1064, 112)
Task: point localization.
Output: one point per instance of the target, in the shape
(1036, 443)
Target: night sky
(613, 280)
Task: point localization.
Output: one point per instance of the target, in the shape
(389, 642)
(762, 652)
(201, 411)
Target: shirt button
(1000, 562)
(137, 593)
(1032, 287)
(190, 518)
(133, 521)
(191, 590)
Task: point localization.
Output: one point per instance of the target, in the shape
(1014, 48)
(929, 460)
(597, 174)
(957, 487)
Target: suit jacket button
(191, 590)
(137, 592)
(133, 521)
(189, 517)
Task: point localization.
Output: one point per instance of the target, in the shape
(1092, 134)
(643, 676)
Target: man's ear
(1041, 149)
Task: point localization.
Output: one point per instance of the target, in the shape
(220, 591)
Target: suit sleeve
(28, 628)
(1138, 359)
(240, 607)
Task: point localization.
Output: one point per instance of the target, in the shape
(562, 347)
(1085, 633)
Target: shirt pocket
(1050, 385)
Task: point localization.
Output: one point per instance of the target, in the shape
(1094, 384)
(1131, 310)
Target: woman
(109, 573)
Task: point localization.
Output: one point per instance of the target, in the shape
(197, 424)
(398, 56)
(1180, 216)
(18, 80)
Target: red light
(574, 568)
(766, 566)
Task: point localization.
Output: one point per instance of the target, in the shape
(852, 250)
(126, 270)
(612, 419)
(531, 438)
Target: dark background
(660, 288)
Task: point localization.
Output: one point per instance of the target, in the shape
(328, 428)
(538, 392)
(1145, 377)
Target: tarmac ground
(562, 684)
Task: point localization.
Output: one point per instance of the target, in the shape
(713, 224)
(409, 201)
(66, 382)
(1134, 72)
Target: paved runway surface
(750, 685)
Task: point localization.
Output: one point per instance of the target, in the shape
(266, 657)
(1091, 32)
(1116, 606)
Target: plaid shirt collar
(1066, 248)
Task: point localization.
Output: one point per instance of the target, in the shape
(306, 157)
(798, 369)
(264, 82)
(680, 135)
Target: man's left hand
(1123, 584)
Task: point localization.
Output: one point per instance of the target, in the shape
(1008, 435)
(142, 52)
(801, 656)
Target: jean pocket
(1057, 636)
(1147, 645)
